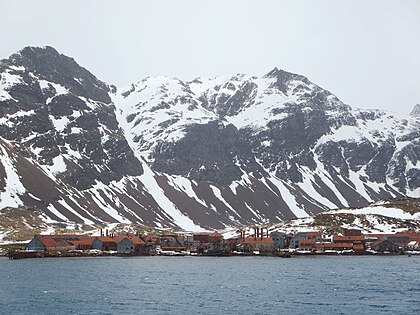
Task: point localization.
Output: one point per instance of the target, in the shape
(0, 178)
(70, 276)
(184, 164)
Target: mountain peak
(416, 111)
(273, 73)
(30, 55)
(30, 52)
(285, 76)
(48, 64)
(46, 50)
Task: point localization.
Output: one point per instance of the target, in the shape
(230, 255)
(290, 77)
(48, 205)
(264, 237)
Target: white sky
(365, 52)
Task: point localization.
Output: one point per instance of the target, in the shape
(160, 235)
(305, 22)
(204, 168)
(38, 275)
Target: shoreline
(24, 254)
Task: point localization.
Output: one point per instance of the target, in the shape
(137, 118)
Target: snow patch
(60, 123)
(57, 213)
(66, 205)
(288, 197)
(14, 187)
(378, 210)
(153, 187)
(184, 184)
(218, 194)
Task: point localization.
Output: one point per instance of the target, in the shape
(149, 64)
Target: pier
(23, 254)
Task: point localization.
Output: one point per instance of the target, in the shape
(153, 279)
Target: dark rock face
(77, 118)
(290, 141)
(283, 78)
(47, 64)
(290, 145)
(210, 152)
(230, 105)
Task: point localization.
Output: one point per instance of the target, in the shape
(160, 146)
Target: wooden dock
(23, 254)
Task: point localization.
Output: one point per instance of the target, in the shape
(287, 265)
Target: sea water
(211, 285)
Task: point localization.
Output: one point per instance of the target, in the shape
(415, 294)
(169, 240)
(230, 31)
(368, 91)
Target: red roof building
(333, 246)
(57, 242)
(131, 245)
(307, 244)
(348, 239)
(257, 244)
(106, 243)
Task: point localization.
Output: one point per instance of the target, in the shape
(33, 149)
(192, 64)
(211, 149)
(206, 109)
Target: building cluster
(351, 241)
(164, 244)
(260, 242)
(70, 242)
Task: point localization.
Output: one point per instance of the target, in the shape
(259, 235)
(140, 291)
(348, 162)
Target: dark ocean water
(204, 285)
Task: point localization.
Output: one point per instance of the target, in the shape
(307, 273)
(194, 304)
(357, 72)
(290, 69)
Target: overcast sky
(365, 52)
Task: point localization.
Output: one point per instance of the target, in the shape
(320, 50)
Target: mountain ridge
(206, 153)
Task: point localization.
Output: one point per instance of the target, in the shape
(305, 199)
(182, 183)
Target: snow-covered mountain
(381, 217)
(209, 153)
